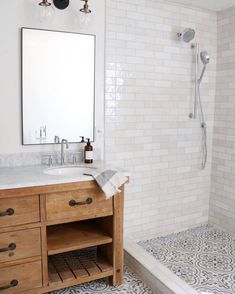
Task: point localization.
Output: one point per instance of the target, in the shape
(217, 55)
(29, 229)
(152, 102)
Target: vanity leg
(118, 254)
(113, 225)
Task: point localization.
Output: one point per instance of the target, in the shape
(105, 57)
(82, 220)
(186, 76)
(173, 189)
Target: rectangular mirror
(58, 86)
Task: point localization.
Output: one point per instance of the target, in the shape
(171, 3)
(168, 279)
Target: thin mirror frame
(22, 85)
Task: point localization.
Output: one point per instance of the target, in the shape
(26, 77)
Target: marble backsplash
(38, 158)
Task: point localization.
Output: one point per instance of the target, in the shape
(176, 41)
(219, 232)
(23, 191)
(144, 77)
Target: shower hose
(203, 128)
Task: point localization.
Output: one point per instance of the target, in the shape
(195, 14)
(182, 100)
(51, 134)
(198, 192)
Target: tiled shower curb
(159, 278)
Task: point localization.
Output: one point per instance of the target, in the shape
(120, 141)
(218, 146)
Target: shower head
(187, 35)
(205, 57)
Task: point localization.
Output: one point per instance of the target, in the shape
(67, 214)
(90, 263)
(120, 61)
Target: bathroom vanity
(57, 229)
(57, 234)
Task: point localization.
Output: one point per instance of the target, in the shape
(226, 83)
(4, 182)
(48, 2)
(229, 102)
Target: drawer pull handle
(73, 203)
(10, 247)
(12, 284)
(9, 211)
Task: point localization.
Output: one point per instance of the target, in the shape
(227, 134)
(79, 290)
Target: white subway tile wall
(222, 202)
(149, 94)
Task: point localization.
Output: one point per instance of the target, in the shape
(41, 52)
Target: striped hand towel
(109, 181)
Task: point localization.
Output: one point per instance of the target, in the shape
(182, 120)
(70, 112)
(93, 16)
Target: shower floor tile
(203, 257)
(132, 285)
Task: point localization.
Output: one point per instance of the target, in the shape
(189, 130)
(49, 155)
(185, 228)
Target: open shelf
(73, 236)
(78, 266)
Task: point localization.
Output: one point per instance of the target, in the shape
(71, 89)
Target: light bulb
(45, 11)
(85, 19)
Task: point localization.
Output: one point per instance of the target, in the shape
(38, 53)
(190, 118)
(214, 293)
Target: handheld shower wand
(205, 58)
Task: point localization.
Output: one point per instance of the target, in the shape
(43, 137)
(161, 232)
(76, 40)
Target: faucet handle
(47, 159)
(74, 159)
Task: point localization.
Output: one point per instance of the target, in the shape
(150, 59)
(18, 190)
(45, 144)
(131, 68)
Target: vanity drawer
(78, 205)
(20, 278)
(19, 244)
(18, 211)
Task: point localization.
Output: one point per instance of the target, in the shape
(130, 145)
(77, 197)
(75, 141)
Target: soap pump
(88, 152)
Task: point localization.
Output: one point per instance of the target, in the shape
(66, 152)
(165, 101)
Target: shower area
(170, 120)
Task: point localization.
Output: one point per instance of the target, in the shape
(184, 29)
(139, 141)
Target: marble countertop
(32, 176)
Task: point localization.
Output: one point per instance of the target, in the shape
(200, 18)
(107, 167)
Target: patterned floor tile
(132, 285)
(203, 257)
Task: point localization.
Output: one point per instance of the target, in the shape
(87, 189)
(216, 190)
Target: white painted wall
(15, 14)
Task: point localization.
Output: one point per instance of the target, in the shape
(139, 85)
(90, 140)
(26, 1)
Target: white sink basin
(68, 170)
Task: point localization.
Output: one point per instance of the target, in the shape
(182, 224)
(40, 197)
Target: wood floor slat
(81, 264)
(62, 268)
(75, 265)
(54, 277)
(103, 264)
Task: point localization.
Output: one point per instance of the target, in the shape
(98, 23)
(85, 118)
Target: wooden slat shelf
(77, 266)
(73, 236)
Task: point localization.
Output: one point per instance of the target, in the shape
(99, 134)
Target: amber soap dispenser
(88, 152)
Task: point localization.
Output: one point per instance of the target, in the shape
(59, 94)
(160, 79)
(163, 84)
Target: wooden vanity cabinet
(57, 236)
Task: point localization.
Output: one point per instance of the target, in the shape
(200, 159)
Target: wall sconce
(47, 8)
